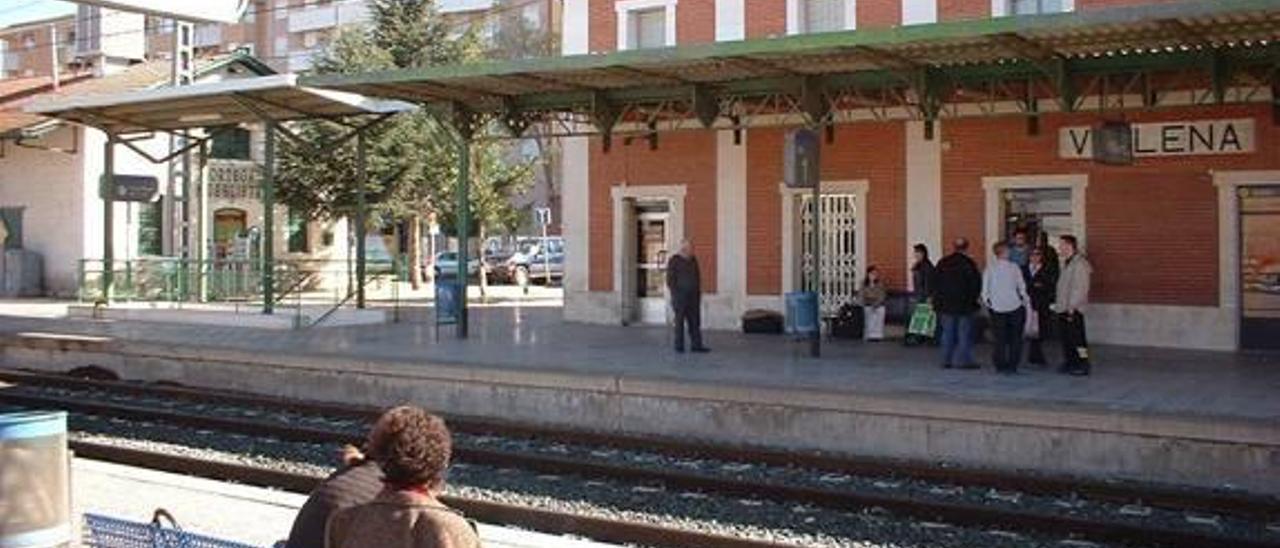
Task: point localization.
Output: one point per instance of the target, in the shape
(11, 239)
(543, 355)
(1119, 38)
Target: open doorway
(644, 261)
(1259, 267)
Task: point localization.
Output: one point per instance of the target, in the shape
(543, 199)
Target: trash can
(802, 313)
(35, 491)
(448, 300)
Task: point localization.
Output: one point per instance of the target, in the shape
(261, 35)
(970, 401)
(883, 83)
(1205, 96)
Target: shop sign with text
(1181, 138)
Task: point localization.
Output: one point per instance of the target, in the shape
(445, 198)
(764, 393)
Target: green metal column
(815, 344)
(106, 190)
(269, 222)
(362, 219)
(464, 227)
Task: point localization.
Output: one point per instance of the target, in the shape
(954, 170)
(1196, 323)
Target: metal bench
(108, 532)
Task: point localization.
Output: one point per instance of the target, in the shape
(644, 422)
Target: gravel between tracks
(753, 518)
(1068, 504)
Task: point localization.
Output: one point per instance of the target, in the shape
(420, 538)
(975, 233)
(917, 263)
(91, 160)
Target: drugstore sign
(1183, 138)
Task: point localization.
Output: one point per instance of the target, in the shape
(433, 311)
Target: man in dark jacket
(684, 285)
(356, 482)
(957, 286)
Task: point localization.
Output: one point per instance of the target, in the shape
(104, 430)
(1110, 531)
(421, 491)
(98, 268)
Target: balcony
(344, 12)
(208, 35)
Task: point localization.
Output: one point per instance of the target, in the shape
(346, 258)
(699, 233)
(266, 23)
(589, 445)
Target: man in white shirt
(1004, 292)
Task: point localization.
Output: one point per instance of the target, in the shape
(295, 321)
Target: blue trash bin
(448, 300)
(802, 313)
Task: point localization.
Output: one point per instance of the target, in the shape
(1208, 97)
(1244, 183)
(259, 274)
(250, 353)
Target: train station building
(1185, 241)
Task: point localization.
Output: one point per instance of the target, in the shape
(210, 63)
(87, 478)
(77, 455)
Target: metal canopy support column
(362, 218)
(464, 226)
(815, 344)
(108, 216)
(269, 221)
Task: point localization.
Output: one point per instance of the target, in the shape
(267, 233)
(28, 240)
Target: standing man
(1020, 251)
(1004, 291)
(957, 284)
(1073, 296)
(684, 285)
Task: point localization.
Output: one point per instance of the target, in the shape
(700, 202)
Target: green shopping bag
(924, 322)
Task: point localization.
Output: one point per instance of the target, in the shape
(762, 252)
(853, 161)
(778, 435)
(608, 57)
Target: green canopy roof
(923, 65)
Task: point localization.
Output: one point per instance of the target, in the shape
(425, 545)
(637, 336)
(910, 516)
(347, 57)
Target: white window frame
(1077, 183)
(794, 19)
(921, 12)
(624, 9)
(791, 224)
(1001, 8)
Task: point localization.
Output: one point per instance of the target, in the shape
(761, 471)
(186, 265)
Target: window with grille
(647, 28)
(299, 239)
(822, 15)
(234, 144)
(1034, 7)
(151, 228)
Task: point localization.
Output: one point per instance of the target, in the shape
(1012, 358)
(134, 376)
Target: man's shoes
(969, 366)
(1078, 372)
(679, 350)
(701, 350)
(946, 366)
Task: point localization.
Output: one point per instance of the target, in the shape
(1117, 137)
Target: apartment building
(287, 34)
(1183, 241)
(29, 49)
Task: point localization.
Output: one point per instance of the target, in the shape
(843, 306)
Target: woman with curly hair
(413, 448)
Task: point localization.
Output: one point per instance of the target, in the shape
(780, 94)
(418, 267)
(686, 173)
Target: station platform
(1173, 417)
(250, 515)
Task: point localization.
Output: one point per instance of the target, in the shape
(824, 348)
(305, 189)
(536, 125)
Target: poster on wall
(1164, 139)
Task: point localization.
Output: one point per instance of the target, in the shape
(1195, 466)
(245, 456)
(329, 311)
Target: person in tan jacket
(413, 448)
(1072, 297)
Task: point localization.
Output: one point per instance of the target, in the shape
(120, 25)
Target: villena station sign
(196, 11)
(1178, 138)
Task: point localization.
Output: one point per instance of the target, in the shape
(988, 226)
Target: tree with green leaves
(411, 159)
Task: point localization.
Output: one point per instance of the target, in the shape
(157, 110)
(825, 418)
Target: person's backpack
(848, 323)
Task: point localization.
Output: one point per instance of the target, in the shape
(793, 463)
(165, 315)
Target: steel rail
(966, 514)
(1120, 492)
(544, 521)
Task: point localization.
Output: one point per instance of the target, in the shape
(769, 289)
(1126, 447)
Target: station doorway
(1036, 210)
(647, 245)
(838, 263)
(1260, 267)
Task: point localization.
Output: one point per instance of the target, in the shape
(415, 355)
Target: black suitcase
(849, 323)
(762, 321)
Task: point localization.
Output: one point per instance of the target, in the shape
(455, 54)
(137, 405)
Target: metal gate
(839, 260)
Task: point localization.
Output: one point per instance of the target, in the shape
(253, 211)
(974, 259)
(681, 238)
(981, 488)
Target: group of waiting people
(386, 494)
(1025, 288)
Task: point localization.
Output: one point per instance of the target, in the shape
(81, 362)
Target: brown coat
(397, 519)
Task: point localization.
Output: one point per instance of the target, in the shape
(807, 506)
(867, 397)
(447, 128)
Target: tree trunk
(415, 251)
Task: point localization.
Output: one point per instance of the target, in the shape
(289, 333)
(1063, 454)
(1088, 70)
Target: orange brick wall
(875, 152)
(954, 10)
(766, 18)
(603, 23)
(879, 13)
(683, 158)
(1152, 228)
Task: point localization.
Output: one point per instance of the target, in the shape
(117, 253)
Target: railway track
(1127, 531)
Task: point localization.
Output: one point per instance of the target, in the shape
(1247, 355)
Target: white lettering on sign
(1191, 138)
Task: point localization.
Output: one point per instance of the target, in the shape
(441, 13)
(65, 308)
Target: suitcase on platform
(762, 321)
(849, 323)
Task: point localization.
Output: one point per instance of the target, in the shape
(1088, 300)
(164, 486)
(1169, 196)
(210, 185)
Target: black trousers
(1075, 345)
(1008, 328)
(688, 314)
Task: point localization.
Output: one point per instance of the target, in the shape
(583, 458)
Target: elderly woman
(413, 448)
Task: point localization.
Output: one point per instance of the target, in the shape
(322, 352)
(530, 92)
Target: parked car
(532, 261)
(446, 264)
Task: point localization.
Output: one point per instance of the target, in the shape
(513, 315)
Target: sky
(20, 11)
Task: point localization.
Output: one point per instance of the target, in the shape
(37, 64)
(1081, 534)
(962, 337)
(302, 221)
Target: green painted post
(108, 217)
(464, 227)
(362, 219)
(815, 344)
(269, 222)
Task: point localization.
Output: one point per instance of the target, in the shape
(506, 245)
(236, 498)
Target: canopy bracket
(604, 116)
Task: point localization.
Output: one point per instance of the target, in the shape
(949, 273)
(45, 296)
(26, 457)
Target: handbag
(1031, 330)
(924, 321)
